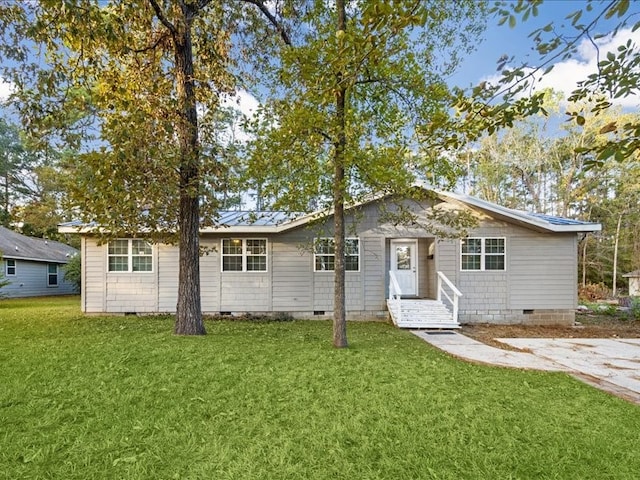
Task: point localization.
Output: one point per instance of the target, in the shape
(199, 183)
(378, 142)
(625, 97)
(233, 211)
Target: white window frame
(245, 254)
(50, 275)
(130, 255)
(483, 254)
(7, 267)
(316, 254)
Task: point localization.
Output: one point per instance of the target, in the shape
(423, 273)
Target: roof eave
(34, 259)
(517, 217)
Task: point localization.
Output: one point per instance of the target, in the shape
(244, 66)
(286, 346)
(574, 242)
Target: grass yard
(122, 398)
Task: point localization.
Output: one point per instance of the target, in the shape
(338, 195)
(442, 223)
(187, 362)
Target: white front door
(404, 255)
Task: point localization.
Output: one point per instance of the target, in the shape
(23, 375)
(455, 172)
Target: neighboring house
(634, 283)
(33, 266)
(513, 267)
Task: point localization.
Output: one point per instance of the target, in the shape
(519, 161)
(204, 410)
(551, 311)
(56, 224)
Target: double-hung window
(325, 258)
(480, 254)
(244, 255)
(10, 267)
(130, 255)
(52, 274)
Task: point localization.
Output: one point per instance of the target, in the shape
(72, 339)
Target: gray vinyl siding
(117, 292)
(291, 272)
(372, 254)
(540, 273)
(31, 280)
(485, 290)
(447, 258)
(167, 267)
(543, 271)
(94, 279)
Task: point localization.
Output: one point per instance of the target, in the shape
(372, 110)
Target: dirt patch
(587, 326)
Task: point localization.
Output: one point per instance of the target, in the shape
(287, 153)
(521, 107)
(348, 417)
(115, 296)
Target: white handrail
(442, 278)
(394, 287)
(395, 293)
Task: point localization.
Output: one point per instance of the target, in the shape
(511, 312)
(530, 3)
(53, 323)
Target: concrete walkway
(612, 365)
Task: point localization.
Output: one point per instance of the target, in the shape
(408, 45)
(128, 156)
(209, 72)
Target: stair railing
(454, 302)
(395, 293)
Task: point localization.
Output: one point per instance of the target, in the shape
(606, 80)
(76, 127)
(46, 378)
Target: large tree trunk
(339, 185)
(614, 282)
(188, 310)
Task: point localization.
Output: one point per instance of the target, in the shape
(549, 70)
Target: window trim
(316, 254)
(51, 275)
(7, 267)
(130, 256)
(483, 254)
(245, 255)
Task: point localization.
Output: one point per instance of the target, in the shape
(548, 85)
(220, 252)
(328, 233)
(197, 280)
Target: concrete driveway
(606, 361)
(609, 364)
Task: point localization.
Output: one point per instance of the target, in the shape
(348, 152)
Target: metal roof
(558, 220)
(16, 246)
(279, 221)
(261, 218)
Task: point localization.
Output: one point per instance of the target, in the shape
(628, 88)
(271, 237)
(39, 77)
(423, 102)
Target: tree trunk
(188, 310)
(615, 257)
(584, 261)
(339, 185)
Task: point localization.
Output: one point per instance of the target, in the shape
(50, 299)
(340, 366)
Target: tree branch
(274, 21)
(153, 46)
(163, 19)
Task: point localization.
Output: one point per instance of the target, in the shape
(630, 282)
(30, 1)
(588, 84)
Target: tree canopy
(488, 107)
(347, 95)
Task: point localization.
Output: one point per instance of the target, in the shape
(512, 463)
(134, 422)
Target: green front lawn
(122, 398)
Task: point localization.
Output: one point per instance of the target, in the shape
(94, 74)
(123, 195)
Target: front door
(404, 255)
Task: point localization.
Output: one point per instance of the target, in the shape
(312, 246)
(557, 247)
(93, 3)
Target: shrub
(73, 272)
(634, 308)
(593, 291)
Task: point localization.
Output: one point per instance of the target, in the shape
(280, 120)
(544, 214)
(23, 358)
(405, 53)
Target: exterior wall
(537, 286)
(31, 280)
(94, 278)
(634, 286)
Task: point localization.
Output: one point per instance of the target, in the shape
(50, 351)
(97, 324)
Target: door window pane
(403, 258)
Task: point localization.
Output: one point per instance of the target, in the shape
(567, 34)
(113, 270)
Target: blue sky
(503, 40)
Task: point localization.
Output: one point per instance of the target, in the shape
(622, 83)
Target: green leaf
(623, 6)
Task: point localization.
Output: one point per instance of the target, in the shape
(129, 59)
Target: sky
(503, 40)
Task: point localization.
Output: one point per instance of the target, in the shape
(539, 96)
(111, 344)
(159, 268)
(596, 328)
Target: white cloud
(6, 89)
(243, 102)
(566, 74)
(247, 105)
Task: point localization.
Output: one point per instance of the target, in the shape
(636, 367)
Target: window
(244, 255)
(482, 254)
(325, 259)
(130, 255)
(11, 267)
(52, 275)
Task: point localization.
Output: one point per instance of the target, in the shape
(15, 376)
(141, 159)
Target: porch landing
(410, 313)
